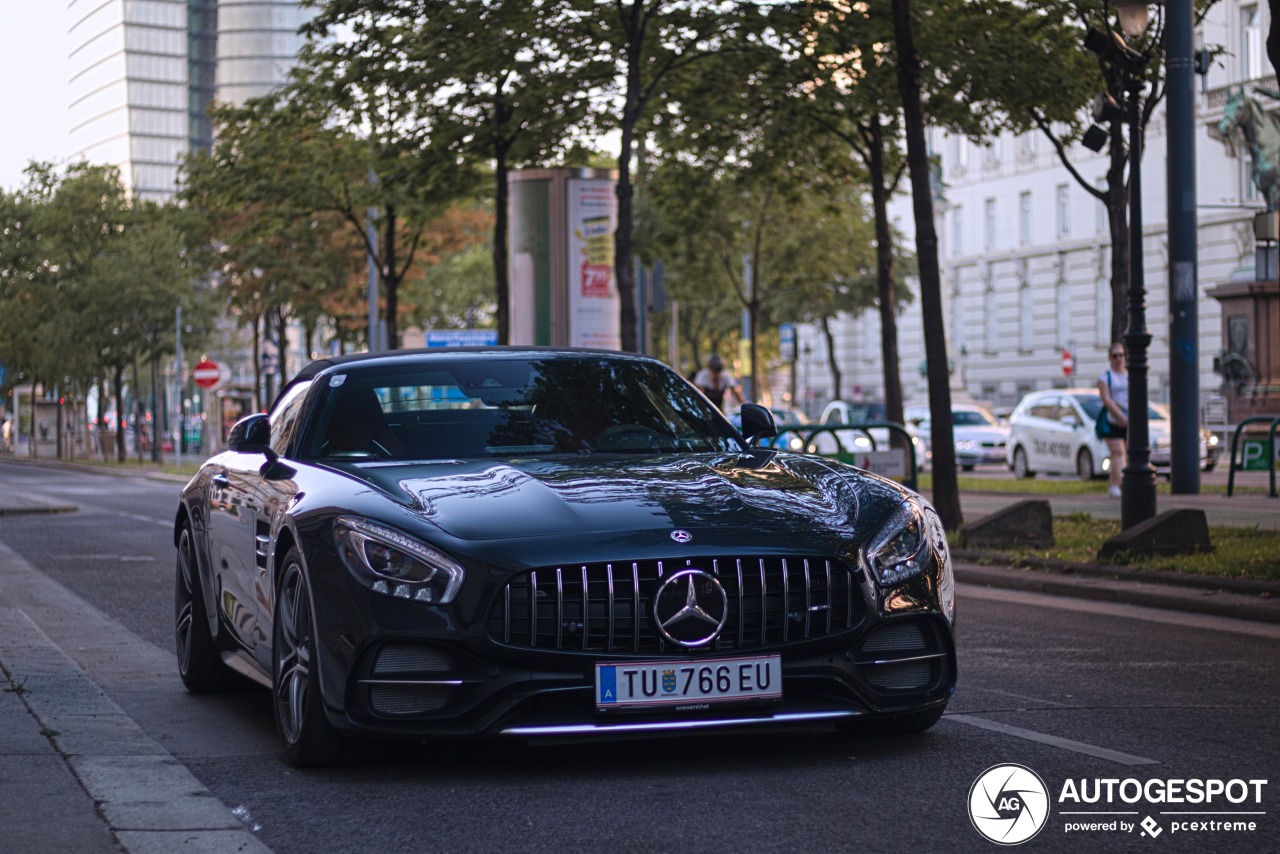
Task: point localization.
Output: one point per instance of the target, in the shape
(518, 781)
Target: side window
(285, 417)
(833, 417)
(1067, 411)
(1047, 408)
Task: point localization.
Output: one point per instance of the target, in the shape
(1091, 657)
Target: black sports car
(538, 542)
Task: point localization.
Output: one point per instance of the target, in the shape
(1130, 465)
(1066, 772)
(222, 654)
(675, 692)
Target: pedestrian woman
(1113, 386)
(716, 382)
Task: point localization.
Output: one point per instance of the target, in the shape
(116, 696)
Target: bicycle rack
(1273, 422)
(808, 431)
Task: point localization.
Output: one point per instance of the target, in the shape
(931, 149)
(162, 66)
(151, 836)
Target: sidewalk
(76, 772)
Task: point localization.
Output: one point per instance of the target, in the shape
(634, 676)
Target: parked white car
(857, 440)
(979, 437)
(1052, 431)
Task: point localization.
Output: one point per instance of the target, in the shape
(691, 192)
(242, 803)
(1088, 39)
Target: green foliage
(1237, 552)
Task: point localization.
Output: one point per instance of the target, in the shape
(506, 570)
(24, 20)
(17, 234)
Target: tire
(967, 467)
(309, 740)
(1020, 468)
(1084, 464)
(199, 663)
(893, 725)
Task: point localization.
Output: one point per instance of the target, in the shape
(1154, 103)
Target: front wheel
(1084, 464)
(309, 739)
(1021, 470)
(199, 664)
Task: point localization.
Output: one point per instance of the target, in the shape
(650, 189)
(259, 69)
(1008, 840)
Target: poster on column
(593, 289)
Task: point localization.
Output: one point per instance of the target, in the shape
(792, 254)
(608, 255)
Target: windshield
(971, 418)
(477, 407)
(1092, 405)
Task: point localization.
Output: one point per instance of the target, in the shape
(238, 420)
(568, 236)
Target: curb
(1116, 572)
(1260, 607)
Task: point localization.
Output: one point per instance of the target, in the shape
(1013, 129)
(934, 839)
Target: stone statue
(1245, 120)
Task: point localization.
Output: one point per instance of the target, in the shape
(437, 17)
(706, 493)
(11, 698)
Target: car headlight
(895, 552)
(396, 564)
(966, 445)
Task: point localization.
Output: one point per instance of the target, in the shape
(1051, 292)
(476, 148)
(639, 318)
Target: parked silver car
(979, 437)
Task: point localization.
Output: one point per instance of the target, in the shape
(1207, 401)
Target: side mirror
(250, 435)
(757, 423)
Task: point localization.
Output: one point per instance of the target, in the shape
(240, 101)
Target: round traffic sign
(206, 373)
(1068, 363)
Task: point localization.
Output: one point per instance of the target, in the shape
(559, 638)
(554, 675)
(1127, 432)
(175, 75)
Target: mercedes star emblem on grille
(681, 536)
(690, 608)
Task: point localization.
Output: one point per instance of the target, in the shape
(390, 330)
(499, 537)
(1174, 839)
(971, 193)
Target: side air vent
(902, 655)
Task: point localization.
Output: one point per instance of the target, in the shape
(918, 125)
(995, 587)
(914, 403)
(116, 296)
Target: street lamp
(1125, 69)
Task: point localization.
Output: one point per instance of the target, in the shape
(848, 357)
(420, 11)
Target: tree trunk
(837, 378)
(946, 492)
(257, 366)
(118, 388)
(886, 286)
(156, 437)
(501, 274)
(391, 279)
(624, 266)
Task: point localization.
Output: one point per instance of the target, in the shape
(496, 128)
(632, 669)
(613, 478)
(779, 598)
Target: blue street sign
(462, 337)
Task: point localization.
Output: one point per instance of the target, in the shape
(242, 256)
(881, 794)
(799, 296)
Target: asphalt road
(1073, 690)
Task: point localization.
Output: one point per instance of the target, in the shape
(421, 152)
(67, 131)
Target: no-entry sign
(206, 373)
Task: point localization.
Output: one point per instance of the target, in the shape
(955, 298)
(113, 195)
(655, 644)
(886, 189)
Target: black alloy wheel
(199, 664)
(309, 739)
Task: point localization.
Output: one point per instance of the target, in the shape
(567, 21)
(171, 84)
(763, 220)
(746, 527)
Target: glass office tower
(145, 71)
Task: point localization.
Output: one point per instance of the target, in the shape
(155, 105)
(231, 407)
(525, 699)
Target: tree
(653, 43)
(498, 81)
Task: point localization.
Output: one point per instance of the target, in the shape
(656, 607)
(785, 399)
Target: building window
(1024, 218)
(991, 154)
(1103, 313)
(1248, 189)
(1026, 330)
(960, 154)
(1251, 53)
(1027, 146)
(957, 230)
(1064, 212)
(990, 320)
(989, 224)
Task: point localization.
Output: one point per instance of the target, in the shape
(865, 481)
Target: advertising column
(564, 291)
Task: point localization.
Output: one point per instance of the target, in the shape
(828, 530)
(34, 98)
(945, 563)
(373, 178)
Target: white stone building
(1025, 252)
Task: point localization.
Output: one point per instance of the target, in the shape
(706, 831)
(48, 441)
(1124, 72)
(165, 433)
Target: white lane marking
(151, 520)
(1052, 740)
(1116, 609)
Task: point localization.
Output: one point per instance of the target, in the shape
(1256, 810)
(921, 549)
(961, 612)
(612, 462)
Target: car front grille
(607, 607)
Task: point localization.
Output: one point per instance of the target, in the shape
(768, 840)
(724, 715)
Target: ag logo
(1008, 804)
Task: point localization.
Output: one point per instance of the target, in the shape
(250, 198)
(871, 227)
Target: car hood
(982, 434)
(773, 495)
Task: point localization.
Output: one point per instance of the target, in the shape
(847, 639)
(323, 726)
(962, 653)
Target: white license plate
(672, 683)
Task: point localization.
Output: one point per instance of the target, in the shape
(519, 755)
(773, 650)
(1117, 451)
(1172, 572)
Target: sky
(34, 111)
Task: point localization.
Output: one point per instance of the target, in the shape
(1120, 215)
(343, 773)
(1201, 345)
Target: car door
(275, 489)
(232, 499)
(1038, 431)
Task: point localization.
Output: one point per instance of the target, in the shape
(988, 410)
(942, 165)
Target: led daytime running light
(442, 571)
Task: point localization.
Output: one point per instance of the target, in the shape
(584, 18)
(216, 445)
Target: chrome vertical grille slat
(808, 598)
(608, 568)
(593, 610)
(559, 607)
(786, 602)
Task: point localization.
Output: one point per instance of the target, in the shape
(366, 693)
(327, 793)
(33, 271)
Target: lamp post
(1126, 69)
